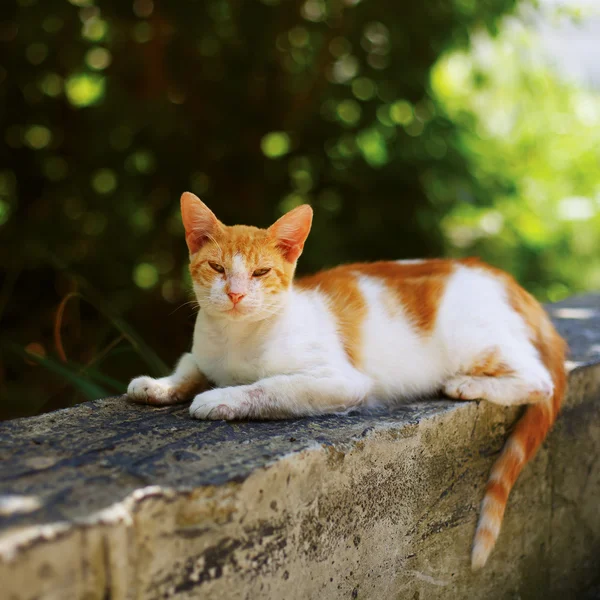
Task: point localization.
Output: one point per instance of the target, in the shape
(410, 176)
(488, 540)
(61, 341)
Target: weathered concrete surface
(111, 500)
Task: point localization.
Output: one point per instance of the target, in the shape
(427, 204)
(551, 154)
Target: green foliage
(78, 377)
(109, 111)
(533, 144)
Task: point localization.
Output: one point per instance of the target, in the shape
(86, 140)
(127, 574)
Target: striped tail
(520, 447)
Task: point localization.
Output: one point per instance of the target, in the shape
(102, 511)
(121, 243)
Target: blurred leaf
(66, 371)
(158, 367)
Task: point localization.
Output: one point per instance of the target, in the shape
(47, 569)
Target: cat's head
(240, 272)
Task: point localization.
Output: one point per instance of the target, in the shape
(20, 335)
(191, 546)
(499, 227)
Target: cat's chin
(242, 313)
(238, 315)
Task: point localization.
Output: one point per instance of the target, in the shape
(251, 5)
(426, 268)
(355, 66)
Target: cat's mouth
(236, 311)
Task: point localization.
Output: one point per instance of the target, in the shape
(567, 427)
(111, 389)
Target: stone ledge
(111, 500)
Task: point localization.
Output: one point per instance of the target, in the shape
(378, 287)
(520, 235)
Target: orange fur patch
(531, 430)
(490, 365)
(187, 389)
(497, 490)
(345, 302)
(416, 287)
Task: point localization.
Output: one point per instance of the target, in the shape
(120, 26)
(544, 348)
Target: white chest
(302, 340)
(226, 362)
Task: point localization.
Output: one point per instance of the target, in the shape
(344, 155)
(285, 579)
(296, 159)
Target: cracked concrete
(110, 500)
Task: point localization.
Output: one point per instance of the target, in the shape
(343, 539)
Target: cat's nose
(235, 298)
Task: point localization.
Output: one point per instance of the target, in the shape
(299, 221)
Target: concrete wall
(109, 500)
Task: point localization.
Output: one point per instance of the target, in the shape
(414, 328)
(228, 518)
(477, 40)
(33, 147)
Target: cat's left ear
(291, 231)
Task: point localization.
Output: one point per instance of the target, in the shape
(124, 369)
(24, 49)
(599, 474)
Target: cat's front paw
(217, 404)
(145, 390)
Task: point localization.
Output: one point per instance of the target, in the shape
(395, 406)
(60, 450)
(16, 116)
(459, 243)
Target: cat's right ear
(199, 221)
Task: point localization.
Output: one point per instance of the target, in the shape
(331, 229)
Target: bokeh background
(443, 127)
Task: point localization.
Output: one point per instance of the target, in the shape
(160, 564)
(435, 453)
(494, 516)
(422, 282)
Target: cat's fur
(359, 334)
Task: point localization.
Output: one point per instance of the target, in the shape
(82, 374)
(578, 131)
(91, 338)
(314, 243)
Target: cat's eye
(216, 266)
(260, 272)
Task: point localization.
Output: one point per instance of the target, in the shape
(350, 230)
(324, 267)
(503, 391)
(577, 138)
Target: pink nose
(235, 298)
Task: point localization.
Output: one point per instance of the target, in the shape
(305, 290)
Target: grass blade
(157, 366)
(88, 388)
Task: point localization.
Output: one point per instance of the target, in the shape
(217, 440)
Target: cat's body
(386, 355)
(375, 333)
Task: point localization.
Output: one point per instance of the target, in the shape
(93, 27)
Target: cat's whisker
(189, 302)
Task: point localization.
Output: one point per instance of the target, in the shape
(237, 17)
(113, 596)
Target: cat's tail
(521, 446)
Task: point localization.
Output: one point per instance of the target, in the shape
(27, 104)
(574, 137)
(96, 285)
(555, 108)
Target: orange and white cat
(359, 334)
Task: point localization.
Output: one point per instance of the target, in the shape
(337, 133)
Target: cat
(359, 334)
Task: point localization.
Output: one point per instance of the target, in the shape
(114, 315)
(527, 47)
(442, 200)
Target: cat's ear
(199, 221)
(291, 231)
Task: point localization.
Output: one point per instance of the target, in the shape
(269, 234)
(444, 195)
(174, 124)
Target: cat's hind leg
(498, 376)
(183, 384)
